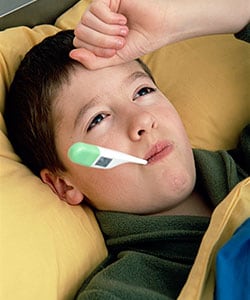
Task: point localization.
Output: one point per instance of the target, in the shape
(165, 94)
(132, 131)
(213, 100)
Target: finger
(91, 61)
(97, 39)
(98, 25)
(102, 11)
(98, 51)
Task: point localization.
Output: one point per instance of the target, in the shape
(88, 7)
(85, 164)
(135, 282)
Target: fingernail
(122, 20)
(123, 31)
(119, 43)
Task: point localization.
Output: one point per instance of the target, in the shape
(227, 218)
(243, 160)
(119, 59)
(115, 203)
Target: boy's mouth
(158, 151)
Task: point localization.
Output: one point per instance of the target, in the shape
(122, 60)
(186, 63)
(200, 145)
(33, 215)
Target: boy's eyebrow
(95, 100)
(136, 75)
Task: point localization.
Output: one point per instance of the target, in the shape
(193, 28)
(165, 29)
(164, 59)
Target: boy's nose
(140, 124)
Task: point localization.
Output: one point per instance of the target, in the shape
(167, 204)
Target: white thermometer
(99, 157)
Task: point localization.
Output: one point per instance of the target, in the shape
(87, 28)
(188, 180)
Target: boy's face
(121, 108)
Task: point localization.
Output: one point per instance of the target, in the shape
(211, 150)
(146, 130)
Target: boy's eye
(96, 120)
(144, 91)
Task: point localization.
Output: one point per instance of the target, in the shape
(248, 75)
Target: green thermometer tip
(91, 152)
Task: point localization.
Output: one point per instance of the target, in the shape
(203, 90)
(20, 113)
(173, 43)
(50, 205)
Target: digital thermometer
(99, 157)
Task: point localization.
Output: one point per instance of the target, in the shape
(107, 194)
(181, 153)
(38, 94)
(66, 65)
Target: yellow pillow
(207, 79)
(49, 247)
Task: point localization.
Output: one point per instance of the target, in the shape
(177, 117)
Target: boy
(153, 217)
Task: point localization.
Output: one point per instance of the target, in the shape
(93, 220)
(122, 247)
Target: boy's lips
(158, 151)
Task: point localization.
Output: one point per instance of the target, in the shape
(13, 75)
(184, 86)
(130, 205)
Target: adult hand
(116, 31)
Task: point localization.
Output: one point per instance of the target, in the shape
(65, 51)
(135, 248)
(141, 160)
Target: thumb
(92, 62)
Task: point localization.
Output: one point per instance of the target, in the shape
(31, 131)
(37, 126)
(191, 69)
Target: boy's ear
(63, 189)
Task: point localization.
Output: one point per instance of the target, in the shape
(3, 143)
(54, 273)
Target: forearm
(191, 18)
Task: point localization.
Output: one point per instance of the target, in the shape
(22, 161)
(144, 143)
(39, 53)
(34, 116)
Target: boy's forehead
(108, 79)
(91, 83)
(89, 87)
(123, 70)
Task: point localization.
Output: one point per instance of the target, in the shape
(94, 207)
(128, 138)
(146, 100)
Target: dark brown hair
(28, 111)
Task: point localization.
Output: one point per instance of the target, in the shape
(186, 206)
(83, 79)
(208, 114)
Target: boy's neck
(194, 205)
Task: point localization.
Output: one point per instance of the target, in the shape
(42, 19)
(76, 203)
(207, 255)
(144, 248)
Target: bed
(48, 247)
